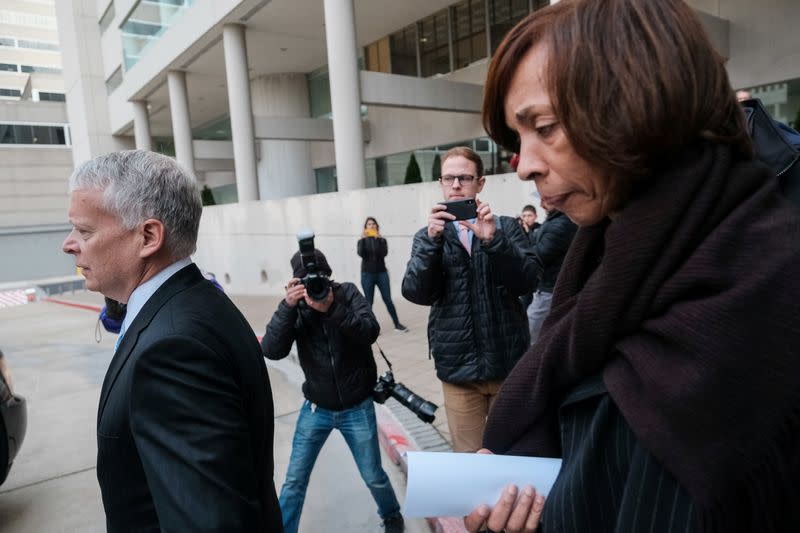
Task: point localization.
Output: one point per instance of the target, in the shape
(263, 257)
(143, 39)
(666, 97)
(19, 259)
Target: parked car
(13, 420)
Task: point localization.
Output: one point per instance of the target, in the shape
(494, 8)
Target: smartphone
(462, 209)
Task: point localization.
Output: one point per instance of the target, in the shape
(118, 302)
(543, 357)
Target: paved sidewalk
(408, 352)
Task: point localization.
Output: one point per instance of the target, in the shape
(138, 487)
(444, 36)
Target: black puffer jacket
(550, 243)
(372, 250)
(334, 348)
(477, 329)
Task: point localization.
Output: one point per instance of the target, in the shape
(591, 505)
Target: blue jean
(368, 282)
(537, 312)
(360, 431)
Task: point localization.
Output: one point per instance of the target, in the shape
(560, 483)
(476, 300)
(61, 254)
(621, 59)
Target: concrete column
(181, 124)
(285, 166)
(238, 80)
(340, 36)
(84, 80)
(141, 126)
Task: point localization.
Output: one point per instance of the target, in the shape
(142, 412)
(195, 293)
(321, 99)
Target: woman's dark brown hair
(372, 219)
(632, 82)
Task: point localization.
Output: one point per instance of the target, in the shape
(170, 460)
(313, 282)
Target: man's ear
(154, 237)
(481, 183)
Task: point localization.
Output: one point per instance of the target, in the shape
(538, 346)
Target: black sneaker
(400, 327)
(394, 524)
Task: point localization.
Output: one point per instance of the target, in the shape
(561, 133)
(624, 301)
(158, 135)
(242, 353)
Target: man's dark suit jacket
(185, 422)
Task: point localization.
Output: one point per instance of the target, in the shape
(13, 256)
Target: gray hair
(138, 185)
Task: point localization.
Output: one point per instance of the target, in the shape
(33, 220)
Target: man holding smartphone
(470, 268)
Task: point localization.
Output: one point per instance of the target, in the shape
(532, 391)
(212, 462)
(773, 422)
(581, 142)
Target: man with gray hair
(185, 421)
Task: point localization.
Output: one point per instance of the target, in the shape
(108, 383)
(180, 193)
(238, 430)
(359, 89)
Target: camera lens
(317, 287)
(424, 409)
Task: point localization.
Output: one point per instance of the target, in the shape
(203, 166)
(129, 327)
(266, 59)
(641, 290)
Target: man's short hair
(529, 208)
(468, 153)
(138, 185)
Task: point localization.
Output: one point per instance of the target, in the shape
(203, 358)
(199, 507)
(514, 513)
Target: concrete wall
(36, 254)
(33, 186)
(248, 246)
(764, 45)
(84, 81)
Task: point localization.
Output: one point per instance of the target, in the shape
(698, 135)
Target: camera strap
(383, 355)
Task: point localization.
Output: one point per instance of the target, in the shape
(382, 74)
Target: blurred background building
(34, 142)
(266, 100)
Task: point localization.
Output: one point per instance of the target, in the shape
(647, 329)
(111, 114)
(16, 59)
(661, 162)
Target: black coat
(335, 348)
(185, 422)
(477, 328)
(372, 250)
(551, 242)
(609, 482)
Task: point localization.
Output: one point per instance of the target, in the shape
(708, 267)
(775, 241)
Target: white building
(34, 142)
(252, 94)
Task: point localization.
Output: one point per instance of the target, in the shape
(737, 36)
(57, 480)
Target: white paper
(454, 484)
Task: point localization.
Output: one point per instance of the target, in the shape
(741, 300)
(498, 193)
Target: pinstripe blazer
(608, 481)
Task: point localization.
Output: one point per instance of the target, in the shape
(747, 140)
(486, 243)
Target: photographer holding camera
(334, 327)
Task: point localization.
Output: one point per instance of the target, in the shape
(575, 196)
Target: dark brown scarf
(689, 305)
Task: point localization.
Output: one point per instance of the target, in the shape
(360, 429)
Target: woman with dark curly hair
(373, 249)
(667, 374)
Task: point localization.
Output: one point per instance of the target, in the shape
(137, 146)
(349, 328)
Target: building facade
(34, 142)
(266, 100)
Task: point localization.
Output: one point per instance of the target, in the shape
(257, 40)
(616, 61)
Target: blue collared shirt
(143, 292)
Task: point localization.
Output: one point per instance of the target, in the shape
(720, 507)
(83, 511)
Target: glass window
(319, 93)
(326, 179)
(10, 92)
(469, 32)
(164, 145)
(225, 194)
(8, 41)
(434, 47)
(40, 70)
(114, 80)
(216, 130)
(505, 14)
(147, 22)
(8, 67)
(107, 18)
(37, 45)
(394, 169)
(403, 51)
(52, 97)
(28, 134)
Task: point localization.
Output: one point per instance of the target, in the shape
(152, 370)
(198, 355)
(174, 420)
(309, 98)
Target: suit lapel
(179, 281)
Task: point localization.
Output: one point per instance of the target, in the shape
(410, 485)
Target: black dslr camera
(387, 386)
(317, 283)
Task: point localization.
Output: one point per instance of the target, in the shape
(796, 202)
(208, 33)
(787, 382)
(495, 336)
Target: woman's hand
(513, 513)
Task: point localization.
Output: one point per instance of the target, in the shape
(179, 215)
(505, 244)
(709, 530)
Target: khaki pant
(467, 406)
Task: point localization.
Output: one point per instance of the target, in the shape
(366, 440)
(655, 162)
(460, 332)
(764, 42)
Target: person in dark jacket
(185, 420)
(528, 219)
(667, 374)
(334, 338)
(550, 244)
(472, 274)
(372, 249)
(529, 225)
